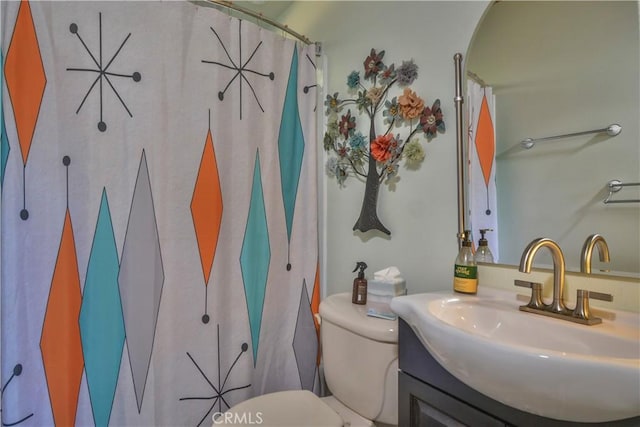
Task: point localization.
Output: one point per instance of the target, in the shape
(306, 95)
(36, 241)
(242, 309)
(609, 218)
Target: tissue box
(385, 285)
(382, 287)
(384, 291)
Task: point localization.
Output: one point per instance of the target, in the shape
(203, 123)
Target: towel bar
(616, 185)
(611, 130)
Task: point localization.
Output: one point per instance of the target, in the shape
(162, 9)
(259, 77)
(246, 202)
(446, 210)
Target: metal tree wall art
(377, 157)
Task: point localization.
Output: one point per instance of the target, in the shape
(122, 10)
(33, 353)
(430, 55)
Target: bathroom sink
(540, 365)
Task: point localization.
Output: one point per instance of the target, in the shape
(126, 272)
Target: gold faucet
(557, 309)
(557, 305)
(595, 240)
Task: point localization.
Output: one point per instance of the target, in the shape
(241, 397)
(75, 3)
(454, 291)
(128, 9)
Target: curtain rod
(260, 16)
(473, 76)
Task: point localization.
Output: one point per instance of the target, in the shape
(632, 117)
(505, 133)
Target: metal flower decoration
(376, 157)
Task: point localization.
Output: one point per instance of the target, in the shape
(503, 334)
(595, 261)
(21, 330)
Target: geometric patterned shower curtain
(159, 213)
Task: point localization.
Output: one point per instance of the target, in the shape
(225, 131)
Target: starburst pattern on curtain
(102, 70)
(221, 389)
(241, 69)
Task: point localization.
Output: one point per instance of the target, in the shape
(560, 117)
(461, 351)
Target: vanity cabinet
(431, 396)
(426, 406)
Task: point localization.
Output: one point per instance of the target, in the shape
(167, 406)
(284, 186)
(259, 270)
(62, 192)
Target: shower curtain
(483, 204)
(159, 223)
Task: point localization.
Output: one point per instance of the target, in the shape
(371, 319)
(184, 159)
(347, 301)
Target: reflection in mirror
(559, 68)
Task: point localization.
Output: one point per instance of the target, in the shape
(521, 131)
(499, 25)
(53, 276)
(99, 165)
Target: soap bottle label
(465, 279)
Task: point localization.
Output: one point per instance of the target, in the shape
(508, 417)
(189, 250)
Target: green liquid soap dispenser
(465, 276)
(483, 253)
(359, 294)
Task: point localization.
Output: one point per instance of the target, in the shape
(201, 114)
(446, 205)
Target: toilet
(360, 357)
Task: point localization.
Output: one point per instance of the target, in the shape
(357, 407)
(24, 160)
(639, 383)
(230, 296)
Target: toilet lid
(292, 408)
(339, 310)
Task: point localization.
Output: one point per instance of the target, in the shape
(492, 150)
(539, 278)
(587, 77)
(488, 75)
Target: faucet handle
(595, 295)
(536, 293)
(582, 310)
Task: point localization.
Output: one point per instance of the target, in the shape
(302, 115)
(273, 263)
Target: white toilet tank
(360, 355)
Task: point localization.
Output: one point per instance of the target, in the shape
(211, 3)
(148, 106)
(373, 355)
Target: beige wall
(421, 211)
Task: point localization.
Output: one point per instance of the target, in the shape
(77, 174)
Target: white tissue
(387, 282)
(389, 274)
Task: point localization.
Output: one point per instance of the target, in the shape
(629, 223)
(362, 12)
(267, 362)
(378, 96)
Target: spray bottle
(359, 294)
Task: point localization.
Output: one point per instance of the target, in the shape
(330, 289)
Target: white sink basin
(537, 364)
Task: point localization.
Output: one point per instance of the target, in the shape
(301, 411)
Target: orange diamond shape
(24, 74)
(60, 342)
(206, 207)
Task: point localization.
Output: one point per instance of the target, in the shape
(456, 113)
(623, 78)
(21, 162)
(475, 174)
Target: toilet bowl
(360, 358)
(293, 408)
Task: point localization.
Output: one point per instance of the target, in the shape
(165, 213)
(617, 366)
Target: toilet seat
(293, 408)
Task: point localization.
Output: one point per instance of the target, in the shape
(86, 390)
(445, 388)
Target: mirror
(557, 68)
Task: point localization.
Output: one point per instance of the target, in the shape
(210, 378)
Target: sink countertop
(550, 367)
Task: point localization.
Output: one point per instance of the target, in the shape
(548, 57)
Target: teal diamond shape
(101, 320)
(290, 145)
(255, 257)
